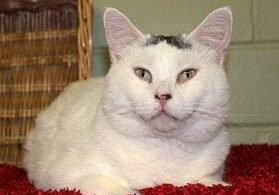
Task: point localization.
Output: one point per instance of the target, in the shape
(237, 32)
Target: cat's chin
(165, 123)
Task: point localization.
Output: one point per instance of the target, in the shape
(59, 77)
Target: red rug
(251, 169)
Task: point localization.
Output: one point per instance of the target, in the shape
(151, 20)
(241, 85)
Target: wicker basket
(44, 45)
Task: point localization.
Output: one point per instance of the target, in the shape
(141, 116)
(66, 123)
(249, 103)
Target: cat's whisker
(204, 112)
(126, 112)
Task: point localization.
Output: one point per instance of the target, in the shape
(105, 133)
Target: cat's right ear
(215, 30)
(120, 33)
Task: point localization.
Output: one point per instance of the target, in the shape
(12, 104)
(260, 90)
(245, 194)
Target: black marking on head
(176, 41)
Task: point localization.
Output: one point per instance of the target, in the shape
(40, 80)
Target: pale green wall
(253, 58)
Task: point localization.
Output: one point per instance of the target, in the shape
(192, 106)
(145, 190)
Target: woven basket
(44, 45)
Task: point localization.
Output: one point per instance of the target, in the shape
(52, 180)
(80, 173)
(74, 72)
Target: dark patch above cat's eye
(176, 41)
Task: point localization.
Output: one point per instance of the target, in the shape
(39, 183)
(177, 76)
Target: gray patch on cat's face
(176, 41)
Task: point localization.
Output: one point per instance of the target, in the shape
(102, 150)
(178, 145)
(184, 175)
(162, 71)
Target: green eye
(186, 75)
(143, 74)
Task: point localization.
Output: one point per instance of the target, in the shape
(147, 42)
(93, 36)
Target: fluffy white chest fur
(156, 118)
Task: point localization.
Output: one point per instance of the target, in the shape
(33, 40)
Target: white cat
(158, 117)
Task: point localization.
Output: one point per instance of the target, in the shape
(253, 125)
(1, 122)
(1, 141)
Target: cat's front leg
(102, 185)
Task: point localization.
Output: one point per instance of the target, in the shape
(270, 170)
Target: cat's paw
(102, 185)
(209, 181)
(119, 191)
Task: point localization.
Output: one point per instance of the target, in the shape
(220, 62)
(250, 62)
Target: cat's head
(168, 82)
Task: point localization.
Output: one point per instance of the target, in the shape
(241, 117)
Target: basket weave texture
(41, 51)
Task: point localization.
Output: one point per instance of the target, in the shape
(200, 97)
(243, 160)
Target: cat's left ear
(215, 30)
(120, 33)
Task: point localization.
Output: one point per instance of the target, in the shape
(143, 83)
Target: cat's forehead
(169, 53)
(167, 49)
(175, 49)
(163, 58)
(177, 41)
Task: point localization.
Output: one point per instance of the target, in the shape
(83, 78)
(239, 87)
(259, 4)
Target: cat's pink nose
(163, 98)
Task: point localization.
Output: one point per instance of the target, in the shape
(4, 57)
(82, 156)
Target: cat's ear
(120, 32)
(215, 30)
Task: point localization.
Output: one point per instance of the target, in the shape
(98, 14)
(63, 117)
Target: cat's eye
(186, 75)
(143, 74)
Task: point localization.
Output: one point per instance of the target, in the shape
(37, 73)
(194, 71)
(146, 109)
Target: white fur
(106, 137)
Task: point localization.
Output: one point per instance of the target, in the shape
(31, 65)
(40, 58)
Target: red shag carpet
(251, 169)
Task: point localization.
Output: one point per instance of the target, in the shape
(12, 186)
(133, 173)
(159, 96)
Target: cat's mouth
(163, 114)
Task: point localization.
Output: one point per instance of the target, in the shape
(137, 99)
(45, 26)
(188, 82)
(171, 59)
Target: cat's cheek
(147, 111)
(175, 113)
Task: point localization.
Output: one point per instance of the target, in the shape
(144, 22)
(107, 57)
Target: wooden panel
(34, 5)
(38, 58)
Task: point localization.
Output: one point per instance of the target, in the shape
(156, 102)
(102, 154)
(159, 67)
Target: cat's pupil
(142, 73)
